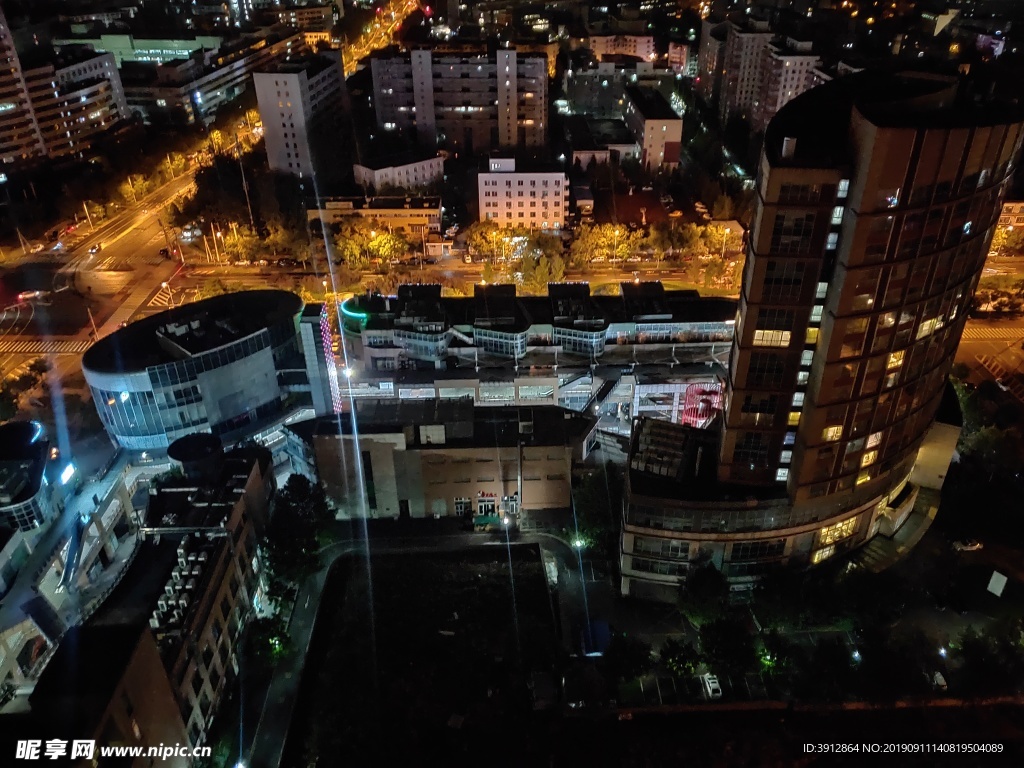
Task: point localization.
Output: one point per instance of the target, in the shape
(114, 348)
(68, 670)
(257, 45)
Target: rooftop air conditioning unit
(161, 605)
(203, 557)
(182, 562)
(176, 574)
(154, 622)
(169, 589)
(176, 617)
(190, 584)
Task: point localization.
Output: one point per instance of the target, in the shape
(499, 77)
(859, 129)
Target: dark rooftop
(190, 330)
(465, 426)
(650, 103)
(87, 666)
(24, 450)
(677, 461)
(819, 119)
(499, 307)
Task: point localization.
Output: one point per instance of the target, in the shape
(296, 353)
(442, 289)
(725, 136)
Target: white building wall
(530, 200)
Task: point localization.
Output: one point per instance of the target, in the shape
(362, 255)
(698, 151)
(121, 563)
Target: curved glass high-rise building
(877, 198)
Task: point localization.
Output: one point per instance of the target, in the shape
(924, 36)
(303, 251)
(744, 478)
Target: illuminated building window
(927, 327)
(863, 477)
(822, 554)
(794, 418)
(816, 313)
(806, 357)
(874, 439)
(868, 458)
(832, 433)
(785, 457)
(830, 534)
(896, 359)
(798, 398)
(803, 377)
(771, 338)
(782, 474)
(822, 290)
(812, 335)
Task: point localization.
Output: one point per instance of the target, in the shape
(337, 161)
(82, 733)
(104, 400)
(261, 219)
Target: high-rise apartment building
(708, 80)
(742, 57)
(76, 96)
(19, 134)
(787, 70)
(466, 97)
(876, 204)
(293, 97)
(877, 198)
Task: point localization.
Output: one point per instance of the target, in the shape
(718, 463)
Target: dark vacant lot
(430, 662)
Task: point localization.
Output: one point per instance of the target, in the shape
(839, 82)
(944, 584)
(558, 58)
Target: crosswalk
(44, 347)
(1004, 334)
(162, 298)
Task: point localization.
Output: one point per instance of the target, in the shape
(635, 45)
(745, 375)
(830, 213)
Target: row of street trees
(671, 240)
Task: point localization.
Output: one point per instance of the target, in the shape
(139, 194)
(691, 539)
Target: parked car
(262, 263)
(467, 259)
(968, 545)
(164, 252)
(430, 260)
(242, 263)
(710, 687)
(37, 248)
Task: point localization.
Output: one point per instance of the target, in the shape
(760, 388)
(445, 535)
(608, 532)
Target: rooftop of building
(59, 58)
(680, 462)
(650, 103)
(818, 119)
(464, 425)
(24, 450)
(383, 203)
(206, 499)
(312, 65)
(499, 307)
(86, 668)
(190, 330)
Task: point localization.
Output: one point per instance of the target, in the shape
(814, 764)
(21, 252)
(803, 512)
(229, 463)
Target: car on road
(430, 260)
(242, 263)
(262, 263)
(28, 295)
(968, 545)
(710, 686)
(37, 248)
(1002, 385)
(164, 252)
(96, 248)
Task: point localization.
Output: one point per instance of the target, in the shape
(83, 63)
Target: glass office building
(223, 365)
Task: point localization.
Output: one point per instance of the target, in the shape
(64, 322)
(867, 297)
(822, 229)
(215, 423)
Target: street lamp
(615, 250)
(725, 237)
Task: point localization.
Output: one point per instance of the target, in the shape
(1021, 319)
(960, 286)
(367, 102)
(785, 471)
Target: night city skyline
(507, 383)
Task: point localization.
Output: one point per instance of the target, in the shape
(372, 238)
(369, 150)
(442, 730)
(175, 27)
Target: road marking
(47, 347)
(1004, 334)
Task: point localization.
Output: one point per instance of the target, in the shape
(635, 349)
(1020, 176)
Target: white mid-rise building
(411, 175)
(640, 46)
(291, 98)
(465, 97)
(529, 199)
(787, 70)
(655, 125)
